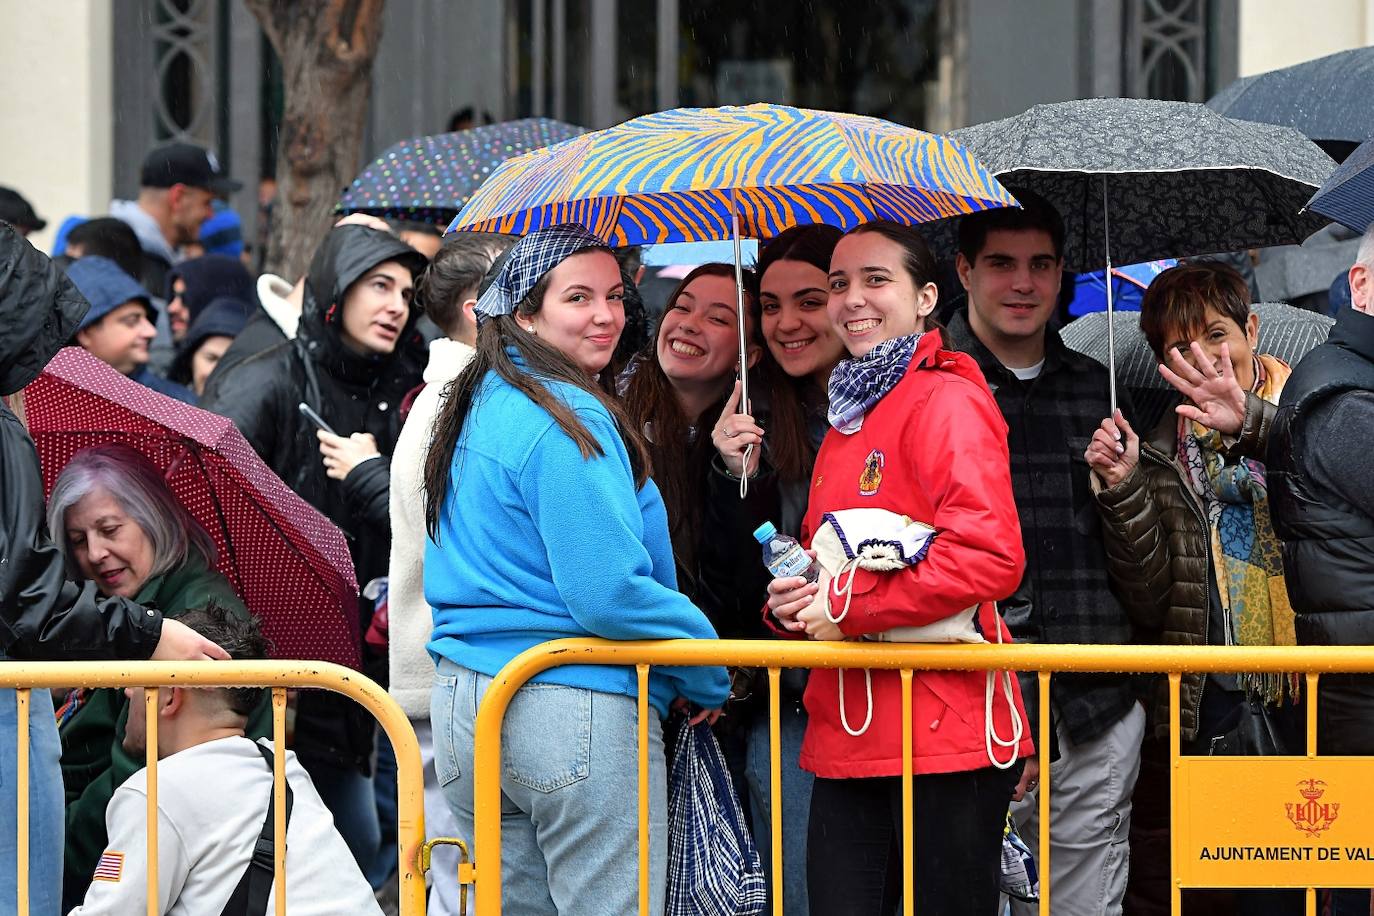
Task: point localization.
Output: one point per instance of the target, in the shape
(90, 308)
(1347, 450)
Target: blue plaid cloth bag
(713, 864)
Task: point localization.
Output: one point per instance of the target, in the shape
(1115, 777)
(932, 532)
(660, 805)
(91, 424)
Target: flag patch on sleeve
(110, 867)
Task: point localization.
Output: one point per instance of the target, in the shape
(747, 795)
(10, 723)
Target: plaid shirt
(1065, 596)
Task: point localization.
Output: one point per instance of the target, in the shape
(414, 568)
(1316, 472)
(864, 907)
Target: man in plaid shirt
(1010, 263)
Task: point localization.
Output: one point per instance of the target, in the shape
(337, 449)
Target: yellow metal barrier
(485, 872)
(277, 675)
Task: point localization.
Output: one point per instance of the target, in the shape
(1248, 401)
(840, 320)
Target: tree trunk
(326, 49)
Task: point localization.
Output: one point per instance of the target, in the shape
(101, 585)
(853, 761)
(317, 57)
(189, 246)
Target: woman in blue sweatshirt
(543, 524)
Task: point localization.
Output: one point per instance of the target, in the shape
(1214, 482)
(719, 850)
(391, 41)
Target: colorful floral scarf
(1246, 557)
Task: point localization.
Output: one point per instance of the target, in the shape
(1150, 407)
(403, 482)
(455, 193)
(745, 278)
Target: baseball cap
(18, 212)
(188, 164)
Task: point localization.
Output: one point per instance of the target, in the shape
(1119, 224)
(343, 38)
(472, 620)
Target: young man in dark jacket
(1052, 398)
(355, 356)
(1321, 462)
(44, 615)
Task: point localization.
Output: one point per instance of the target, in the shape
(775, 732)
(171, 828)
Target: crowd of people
(538, 460)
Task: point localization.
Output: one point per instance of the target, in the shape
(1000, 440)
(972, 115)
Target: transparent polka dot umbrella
(429, 179)
(288, 563)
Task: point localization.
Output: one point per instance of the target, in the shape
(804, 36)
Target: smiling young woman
(543, 522)
(914, 431)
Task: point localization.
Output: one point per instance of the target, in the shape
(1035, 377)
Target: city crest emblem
(1310, 815)
(872, 477)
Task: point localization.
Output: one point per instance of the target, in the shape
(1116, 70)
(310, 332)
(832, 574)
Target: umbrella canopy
(1179, 179)
(1348, 195)
(682, 175)
(1129, 283)
(1327, 99)
(287, 562)
(429, 179)
(1284, 331)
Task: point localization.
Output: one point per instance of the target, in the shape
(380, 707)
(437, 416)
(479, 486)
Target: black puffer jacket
(353, 393)
(43, 615)
(1158, 551)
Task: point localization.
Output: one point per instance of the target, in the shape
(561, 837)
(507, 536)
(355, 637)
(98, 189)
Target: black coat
(43, 615)
(353, 393)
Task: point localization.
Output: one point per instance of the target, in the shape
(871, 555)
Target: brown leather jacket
(1157, 549)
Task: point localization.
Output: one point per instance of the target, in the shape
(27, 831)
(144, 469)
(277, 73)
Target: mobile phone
(315, 418)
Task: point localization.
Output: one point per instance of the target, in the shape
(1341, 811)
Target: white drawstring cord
(1018, 726)
(846, 591)
(868, 692)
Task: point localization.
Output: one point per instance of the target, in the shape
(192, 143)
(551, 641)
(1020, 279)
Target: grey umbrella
(1140, 179)
(1328, 99)
(1286, 332)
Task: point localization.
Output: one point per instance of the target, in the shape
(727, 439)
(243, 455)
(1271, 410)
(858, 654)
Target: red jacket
(934, 449)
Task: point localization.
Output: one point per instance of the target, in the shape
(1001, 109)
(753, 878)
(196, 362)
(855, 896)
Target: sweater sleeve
(957, 442)
(593, 531)
(126, 890)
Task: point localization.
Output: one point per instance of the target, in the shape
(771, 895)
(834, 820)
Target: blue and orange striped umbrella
(681, 175)
(703, 174)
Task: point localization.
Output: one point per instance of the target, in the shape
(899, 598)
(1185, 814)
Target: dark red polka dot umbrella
(287, 562)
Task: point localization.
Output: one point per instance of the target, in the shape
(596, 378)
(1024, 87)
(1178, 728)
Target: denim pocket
(442, 707)
(547, 741)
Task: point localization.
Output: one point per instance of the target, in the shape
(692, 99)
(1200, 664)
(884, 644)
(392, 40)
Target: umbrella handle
(743, 337)
(1111, 322)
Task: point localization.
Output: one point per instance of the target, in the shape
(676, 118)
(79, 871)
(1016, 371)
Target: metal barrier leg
(21, 718)
(151, 695)
(279, 796)
(908, 804)
(1311, 701)
(775, 782)
(643, 671)
(1042, 692)
(1175, 748)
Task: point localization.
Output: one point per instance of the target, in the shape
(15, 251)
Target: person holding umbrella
(1191, 546)
(323, 412)
(43, 614)
(544, 522)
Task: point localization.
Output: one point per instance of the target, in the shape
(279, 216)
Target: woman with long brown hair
(674, 393)
(543, 524)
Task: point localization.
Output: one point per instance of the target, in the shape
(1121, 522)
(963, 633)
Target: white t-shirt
(212, 800)
(1029, 373)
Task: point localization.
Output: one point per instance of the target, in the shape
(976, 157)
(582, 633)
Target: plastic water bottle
(784, 556)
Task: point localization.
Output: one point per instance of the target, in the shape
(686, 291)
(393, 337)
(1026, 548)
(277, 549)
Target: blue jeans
(796, 801)
(46, 807)
(352, 800)
(384, 788)
(569, 793)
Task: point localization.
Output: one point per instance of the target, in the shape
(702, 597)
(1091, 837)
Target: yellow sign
(1274, 822)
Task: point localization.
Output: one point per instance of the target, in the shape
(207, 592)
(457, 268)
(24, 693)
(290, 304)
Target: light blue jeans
(569, 793)
(46, 806)
(796, 801)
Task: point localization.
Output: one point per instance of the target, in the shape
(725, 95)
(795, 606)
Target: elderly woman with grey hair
(120, 526)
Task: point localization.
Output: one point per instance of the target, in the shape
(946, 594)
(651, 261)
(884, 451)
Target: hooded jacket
(207, 278)
(352, 393)
(273, 322)
(43, 615)
(158, 254)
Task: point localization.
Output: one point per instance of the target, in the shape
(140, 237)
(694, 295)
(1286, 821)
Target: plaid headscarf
(526, 263)
(858, 384)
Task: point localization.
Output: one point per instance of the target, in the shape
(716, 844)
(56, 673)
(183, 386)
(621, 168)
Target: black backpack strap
(250, 896)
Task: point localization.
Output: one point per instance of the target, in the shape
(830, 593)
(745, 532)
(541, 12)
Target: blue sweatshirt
(538, 543)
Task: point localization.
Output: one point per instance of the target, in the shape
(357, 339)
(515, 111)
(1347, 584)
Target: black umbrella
(1348, 195)
(1284, 331)
(1327, 99)
(430, 178)
(1141, 179)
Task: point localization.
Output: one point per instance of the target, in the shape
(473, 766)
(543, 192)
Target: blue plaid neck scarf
(858, 384)
(533, 256)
